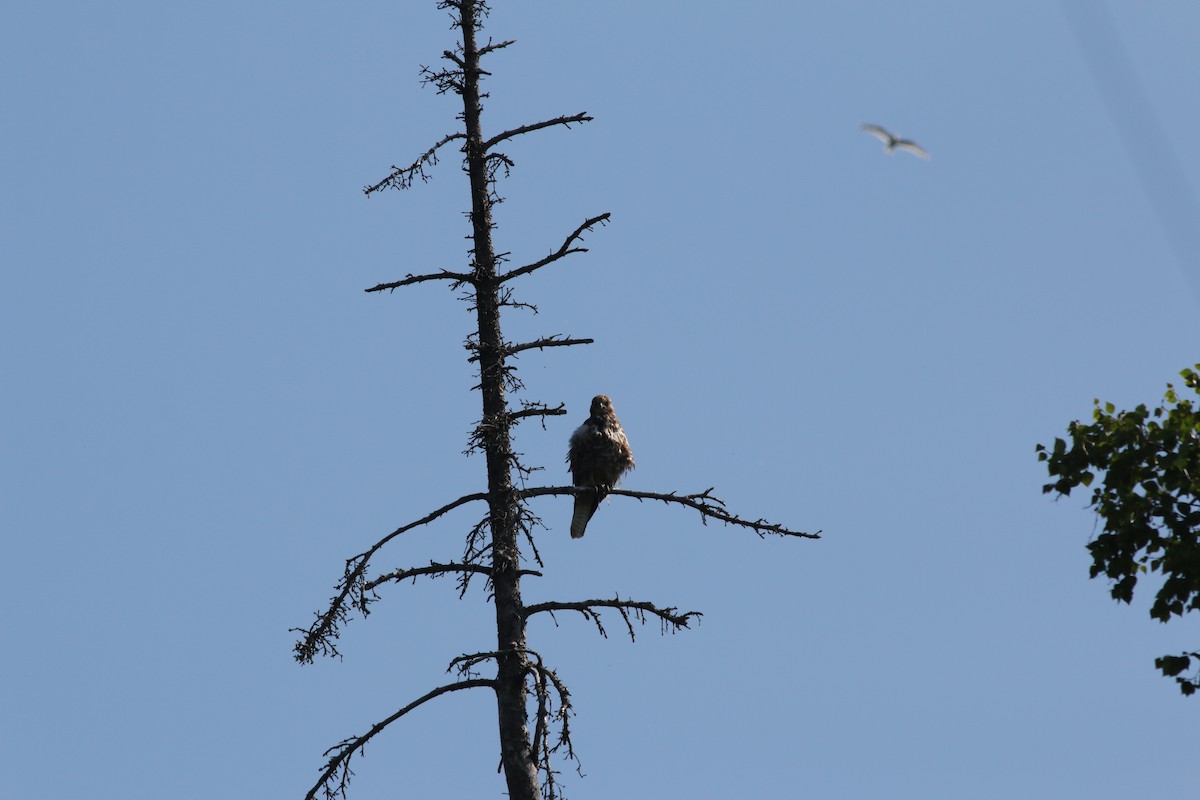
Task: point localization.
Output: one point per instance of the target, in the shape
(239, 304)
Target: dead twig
(456, 279)
(670, 617)
(403, 177)
(320, 638)
(536, 126)
(562, 252)
(339, 763)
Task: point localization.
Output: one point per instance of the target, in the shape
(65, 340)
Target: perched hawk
(892, 143)
(599, 455)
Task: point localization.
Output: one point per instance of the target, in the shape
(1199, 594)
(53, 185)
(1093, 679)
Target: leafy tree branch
(1143, 469)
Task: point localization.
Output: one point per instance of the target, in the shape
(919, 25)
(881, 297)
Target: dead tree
(528, 692)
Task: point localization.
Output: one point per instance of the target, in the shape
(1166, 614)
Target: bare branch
(338, 765)
(403, 177)
(477, 545)
(436, 570)
(466, 663)
(497, 164)
(563, 251)
(320, 638)
(543, 678)
(506, 299)
(445, 80)
(553, 340)
(457, 279)
(539, 410)
(537, 126)
(489, 47)
(670, 617)
(526, 522)
(548, 341)
(489, 427)
(710, 507)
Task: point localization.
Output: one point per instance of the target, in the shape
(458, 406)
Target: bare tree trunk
(520, 766)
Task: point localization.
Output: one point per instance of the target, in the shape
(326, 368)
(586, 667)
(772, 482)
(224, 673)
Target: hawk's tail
(586, 504)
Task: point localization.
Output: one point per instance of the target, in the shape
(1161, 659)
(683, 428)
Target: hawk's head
(602, 406)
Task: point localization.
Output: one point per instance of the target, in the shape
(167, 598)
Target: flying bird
(598, 455)
(892, 143)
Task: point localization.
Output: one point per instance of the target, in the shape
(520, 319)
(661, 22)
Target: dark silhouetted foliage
(1143, 467)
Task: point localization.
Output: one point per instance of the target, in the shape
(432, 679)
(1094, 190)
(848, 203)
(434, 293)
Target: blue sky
(204, 413)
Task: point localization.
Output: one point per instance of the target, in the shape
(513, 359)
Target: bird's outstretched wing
(879, 133)
(913, 147)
